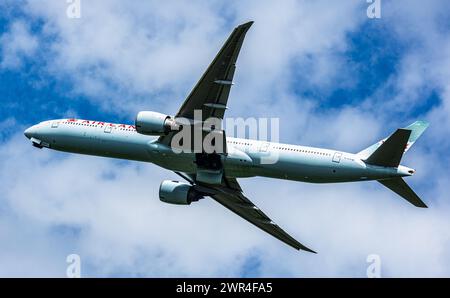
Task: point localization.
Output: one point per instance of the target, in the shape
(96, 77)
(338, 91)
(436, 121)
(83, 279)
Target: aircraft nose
(29, 132)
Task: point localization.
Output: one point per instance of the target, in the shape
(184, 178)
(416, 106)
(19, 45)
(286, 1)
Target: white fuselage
(245, 158)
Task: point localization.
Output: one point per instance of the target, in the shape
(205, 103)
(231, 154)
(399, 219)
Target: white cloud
(109, 214)
(118, 54)
(16, 44)
(7, 124)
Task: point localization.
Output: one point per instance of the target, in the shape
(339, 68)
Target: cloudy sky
(334, 77)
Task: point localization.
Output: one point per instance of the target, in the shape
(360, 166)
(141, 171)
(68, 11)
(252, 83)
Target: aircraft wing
(235, 201)
(210, 95)
(230, 195)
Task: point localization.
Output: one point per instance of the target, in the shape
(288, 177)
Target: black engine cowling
(154, 123)
(174, 192)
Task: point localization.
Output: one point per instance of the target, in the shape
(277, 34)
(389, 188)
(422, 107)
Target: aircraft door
(108, 129)
(337, 157)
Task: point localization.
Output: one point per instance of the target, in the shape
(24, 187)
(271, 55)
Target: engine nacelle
(154, 123)
(174, 192)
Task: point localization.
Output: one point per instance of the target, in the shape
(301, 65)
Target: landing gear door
(337, 157)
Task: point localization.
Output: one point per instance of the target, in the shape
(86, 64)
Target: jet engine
(174, 192)
(154, 123)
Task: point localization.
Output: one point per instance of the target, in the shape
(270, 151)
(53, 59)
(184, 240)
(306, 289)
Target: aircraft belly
(307, 169)
(97, 143)
(239, 171)
(102, 147)
(143, 148)
(178, 162)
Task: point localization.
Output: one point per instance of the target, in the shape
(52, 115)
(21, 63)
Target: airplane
(214, 173)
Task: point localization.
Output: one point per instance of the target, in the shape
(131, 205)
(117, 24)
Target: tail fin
(417, 128)
(389, 152)
(399, 186)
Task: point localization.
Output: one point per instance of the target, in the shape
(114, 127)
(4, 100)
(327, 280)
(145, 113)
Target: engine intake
(178, 193)
(154, 123)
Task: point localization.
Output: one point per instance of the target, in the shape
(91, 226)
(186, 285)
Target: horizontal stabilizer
(417, 128)
(391, 151)
(399, 186)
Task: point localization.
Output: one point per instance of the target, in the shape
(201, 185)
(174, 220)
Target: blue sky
(334, 77)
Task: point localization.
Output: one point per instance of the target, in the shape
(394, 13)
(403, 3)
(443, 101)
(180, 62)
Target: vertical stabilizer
(416, 128)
